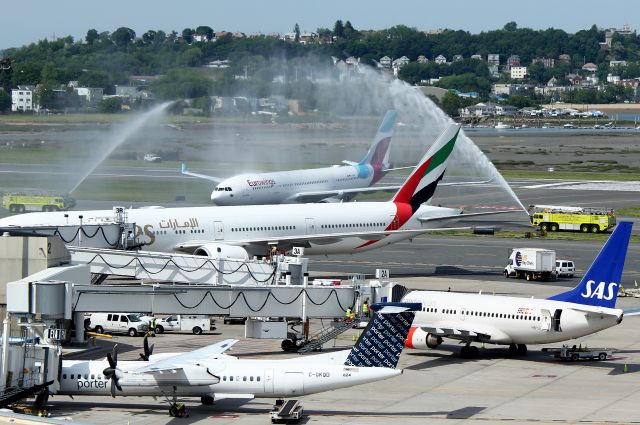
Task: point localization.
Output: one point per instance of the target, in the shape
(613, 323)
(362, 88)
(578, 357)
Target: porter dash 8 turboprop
(210, 374)
(515, 321)
(247, 230)
(328, 184)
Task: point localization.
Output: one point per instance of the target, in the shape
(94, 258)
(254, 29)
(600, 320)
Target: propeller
(111, 372)
(148, 351)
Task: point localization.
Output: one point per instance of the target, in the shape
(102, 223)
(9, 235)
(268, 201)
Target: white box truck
(531, 264)
(184, 323)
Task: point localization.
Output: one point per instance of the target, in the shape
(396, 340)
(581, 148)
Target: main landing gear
(177, 409)
(469, 351)
(517, 350)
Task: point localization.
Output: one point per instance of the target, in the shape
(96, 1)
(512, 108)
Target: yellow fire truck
(554, 218)
(22, 202)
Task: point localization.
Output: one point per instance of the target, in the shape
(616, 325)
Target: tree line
(105, 59)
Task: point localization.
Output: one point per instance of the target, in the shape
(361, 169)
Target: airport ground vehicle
(289, 411)
(192, 323)
(565, 268)
(128, 323)
(22, 202)
(579, 353)
(554, 218)
(531, 264)
(151, 157)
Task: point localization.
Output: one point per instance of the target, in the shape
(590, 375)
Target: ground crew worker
(365, 309)
(348, 315)
(152, 327)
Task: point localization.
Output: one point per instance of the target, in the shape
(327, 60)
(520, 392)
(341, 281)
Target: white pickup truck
(193, 323)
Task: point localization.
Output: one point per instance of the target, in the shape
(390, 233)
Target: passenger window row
(342, 225)
(484, 314)
(244, 378)
(79, 376)
(259, 229)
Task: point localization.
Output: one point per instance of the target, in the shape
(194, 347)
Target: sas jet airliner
(514, 321)
(210, 374)
(329, 184)
(326, 228)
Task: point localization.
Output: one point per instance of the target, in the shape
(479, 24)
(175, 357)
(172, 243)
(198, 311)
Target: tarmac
(437, 386)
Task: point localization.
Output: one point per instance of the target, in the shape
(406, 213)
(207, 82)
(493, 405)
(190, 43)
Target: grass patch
(553, 236)
(632, 211)
(568, 175)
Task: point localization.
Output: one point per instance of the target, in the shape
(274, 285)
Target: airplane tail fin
(422, 182)
(599, 286)
(378, 153)
(383, 339)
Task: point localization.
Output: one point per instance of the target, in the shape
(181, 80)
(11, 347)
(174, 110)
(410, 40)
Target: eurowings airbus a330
(325, 228)
(515, 321)
(328, 184)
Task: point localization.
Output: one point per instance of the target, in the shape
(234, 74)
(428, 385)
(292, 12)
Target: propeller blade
(113, 387)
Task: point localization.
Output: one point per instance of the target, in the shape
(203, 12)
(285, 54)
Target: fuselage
(223, 375)
(511, 320)
(283, 186)
(164, 229)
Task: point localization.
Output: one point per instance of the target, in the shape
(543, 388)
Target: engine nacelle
(223, 251)
(421, 340)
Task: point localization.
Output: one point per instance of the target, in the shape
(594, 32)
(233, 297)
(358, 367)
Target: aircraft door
(293, 383)
(463, 313)
(268, 381)
(311, 226)
(545, 324)
(556, 320)
(218, 230)
(395, 223)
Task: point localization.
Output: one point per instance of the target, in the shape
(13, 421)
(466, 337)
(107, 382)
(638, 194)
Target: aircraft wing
(461, 330)
(186, 172)
(303, 240)
(179, 361)
(316, 196)
(463, 216)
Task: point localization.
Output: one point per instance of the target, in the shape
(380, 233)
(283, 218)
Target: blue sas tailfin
(599, 286)
(383, 339)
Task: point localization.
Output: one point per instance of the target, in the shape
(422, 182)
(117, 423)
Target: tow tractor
(290, 411)
(579, 353)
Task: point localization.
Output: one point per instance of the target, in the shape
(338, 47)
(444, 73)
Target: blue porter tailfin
(383, 339)
(599, 286)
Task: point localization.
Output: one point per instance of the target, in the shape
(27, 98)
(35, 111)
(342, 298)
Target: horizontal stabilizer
(186, 172)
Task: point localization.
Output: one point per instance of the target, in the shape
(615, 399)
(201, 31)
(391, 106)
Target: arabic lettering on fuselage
(264, 182)
(173, 223)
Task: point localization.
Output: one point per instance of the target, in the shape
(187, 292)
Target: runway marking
(608, 185)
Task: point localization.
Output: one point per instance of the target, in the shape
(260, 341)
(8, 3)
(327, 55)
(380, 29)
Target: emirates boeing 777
(326, 228)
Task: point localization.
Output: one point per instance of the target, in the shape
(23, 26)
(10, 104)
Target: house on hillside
(440, 59)
(385, 62)
(590, 67)
(22, 98)
(513, 60)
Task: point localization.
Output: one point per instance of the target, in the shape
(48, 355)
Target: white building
(441, 59)
(91, 95)
(22, 99)
(518, 72)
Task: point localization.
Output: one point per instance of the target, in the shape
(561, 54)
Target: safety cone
(625, 369)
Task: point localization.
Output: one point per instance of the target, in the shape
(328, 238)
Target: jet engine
(222, 251)
(421, 340)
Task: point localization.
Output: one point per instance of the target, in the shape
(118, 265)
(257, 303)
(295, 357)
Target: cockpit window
(228, 189)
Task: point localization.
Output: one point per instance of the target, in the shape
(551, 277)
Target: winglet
(183, 168)
(383, 339)
(600, 284)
